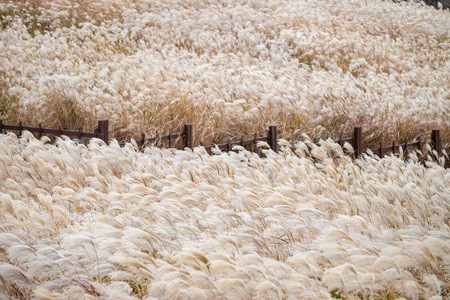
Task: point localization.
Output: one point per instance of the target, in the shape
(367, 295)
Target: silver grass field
(105, 222)
(227, 67)
(108, 222)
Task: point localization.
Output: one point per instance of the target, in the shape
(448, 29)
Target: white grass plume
(358, 228)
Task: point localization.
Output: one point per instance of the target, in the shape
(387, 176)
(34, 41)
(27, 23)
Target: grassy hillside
(105, 222)
(228, 67)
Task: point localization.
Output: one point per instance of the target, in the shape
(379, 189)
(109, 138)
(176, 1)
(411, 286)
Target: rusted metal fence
(186, 136)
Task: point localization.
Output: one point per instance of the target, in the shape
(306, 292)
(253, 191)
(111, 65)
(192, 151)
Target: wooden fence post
(357, 141)
(103, 128)
(435, 140)
(187, 136)
(272, 138)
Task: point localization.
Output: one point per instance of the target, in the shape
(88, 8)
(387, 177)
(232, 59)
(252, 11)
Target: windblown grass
(231, 67)
(104, 221)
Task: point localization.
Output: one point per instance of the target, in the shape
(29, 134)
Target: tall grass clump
(103, 221)
(315, 67)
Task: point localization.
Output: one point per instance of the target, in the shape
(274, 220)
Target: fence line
(102, 132)
(242, 142)
(171, 137)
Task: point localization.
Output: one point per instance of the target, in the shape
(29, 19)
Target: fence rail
(380, 151)
(102, 132)
(242, 142)
(171, 137)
